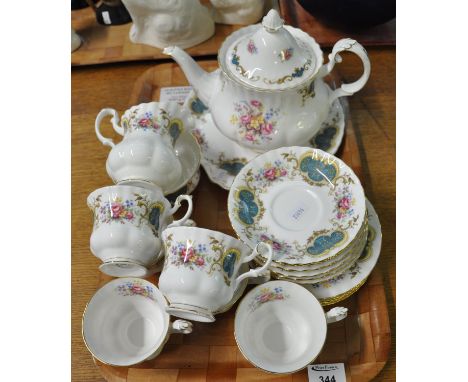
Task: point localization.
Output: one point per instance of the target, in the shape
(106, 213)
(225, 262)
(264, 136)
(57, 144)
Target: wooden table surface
(96, 87)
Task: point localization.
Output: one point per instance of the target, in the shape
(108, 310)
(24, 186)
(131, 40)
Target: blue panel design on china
(229, 262)
(232, 168)
(323, 140)
(248, 209)
(317, 170)
(325, 243)
(154, 216)
(197, 106)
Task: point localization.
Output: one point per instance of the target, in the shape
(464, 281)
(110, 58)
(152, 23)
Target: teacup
(280, 327)
(126, 323)
(147, 151)
(201, 269)
(128, 222)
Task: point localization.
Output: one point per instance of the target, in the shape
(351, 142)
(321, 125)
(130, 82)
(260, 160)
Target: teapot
(147, 151)
(269, 90)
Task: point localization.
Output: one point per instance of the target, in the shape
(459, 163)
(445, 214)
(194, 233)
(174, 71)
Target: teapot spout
(202, 82)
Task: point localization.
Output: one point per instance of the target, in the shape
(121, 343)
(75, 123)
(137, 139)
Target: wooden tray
(210, 353)
(326, 36)
(104, 44)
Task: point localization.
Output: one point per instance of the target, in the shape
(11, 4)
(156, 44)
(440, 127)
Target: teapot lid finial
(270, 55)
(272, 21)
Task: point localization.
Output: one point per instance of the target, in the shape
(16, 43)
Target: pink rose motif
(187, 254)
(276, 246)
(116, 210)
(200, 261)
(255, 103)
(267, 129)
(245, 119)
(249, 137)
(264, 298)
(283, 172)
(339, 215)
(270, 174)
(344, 203)
(137, 290)
(129, 215)
(264, 237)
(145, 122)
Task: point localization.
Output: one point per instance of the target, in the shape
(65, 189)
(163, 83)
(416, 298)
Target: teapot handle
(257, 271)
(349, 45)
(115, 124)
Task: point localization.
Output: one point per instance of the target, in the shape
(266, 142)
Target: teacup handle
(336, 314)
(181, 326)
(257, 271)
(177, 205)
(115, 124)
(349, 45)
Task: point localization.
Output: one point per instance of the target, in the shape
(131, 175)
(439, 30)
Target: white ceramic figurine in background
(75, 40)
(269, 91)
(126, 323)
(128, 222)
(169, 22)
(241, 12)
(201, 270)
(150, 151)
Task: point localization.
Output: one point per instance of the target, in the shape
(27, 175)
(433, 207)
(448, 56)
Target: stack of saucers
(309, 205)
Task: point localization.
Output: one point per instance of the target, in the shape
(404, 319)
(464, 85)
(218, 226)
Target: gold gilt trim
(340, 252)
(341, 296)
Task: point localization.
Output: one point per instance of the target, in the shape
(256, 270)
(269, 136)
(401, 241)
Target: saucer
(222, 158)
(342, 286)
(306, 200)
(187, 189)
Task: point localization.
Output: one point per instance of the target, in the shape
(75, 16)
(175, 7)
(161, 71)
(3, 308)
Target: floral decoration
(280, 248)
(254, 124)
(286, 54)
(189, 255)
(344, 202)
(118, 210)
(251, 48)
(270, 172)
(266, 295)
(135, 287)
(210, 257)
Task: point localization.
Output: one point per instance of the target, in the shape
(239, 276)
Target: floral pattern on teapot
(254, 123)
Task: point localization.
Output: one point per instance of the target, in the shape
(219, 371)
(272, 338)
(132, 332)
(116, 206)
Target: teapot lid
(272, 56)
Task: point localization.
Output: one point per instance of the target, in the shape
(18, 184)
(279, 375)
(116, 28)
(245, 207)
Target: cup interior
(280, 328)
(123, 329)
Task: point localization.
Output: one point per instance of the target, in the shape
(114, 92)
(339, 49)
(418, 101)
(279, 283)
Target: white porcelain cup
(126, 323)
(128, 222)
(280, 327)
(147, 152)
(201, 267)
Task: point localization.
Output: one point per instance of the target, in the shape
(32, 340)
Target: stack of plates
(309, 205)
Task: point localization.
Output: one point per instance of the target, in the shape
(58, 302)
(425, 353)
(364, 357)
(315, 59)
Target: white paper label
(328, 372)
(177, 94)
(106, 18)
